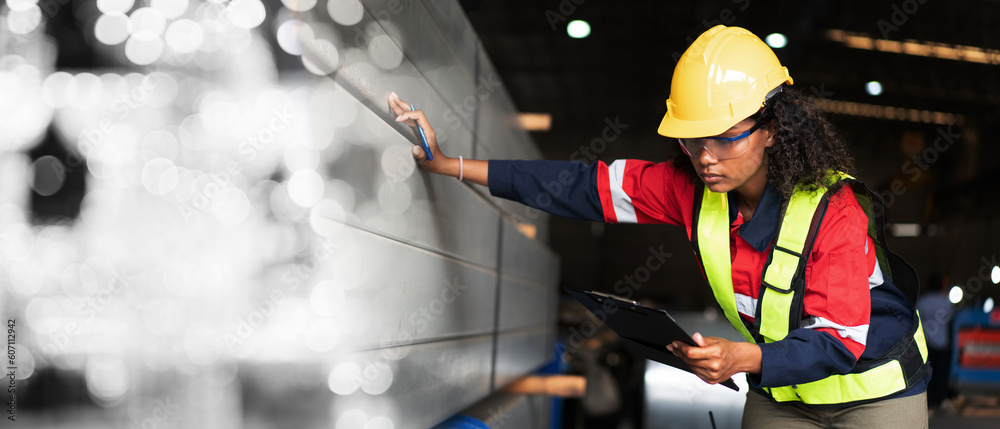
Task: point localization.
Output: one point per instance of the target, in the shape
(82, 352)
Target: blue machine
(975, 360)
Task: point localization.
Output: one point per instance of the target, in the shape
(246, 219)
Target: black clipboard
(648, 330)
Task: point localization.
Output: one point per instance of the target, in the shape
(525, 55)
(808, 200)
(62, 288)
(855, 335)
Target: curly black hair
(807, 147)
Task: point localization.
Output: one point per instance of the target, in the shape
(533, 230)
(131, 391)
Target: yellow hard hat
(722, 79)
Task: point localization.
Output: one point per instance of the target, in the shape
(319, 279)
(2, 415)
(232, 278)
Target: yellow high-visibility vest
(783, 285)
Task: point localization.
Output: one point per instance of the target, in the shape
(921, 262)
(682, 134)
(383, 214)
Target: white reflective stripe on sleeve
(624, 210)
(857, 333)
(746, 305)
(876, 278)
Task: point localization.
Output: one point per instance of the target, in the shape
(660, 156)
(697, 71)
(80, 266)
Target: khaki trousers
(905, 413)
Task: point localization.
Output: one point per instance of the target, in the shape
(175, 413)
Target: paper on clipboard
(648, 330)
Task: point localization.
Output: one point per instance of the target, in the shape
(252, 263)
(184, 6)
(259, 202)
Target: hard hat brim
(671, 126)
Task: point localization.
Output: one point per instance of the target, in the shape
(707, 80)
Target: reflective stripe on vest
(713, 246)
(878, 382)
(786, 261)
(775, 306)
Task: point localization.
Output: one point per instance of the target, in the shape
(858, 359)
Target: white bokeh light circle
(384, 52)
(345, 378)
(143, 49)
(320, 57)
(24, 20)
(305, 187)
(378, 378)
(120, 6)
(292, 34)
(184, 36)
(20, 4)
(112, 28)
(159, 176)
(59, 89)
(299, 5)
(380, 422)
(345, 12)
(246, 14)
(147, 20)
(171, 9)
(352, 419)
(107, 379)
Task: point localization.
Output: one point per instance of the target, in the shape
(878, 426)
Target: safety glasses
(720, 147)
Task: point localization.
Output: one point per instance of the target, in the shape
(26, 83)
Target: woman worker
(792, 246)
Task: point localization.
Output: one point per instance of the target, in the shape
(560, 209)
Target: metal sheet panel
(525, 304)
(498, 125)
(370, 64)
(522, 352)
(456, 29)
(417, 238)
(517, 211)
(400, 294)
(494, 122)
(388, 194)
(414, 387)
(527, 258)
(431, 52)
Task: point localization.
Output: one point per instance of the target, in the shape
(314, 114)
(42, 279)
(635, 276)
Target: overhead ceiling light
(887, 112)
(578, 29)
(995, 275)
(972, 54)
(873, 87)
(988, 305)
(955, 295)
(776, 40)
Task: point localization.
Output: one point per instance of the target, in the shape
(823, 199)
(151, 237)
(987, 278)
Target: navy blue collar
(761, 228)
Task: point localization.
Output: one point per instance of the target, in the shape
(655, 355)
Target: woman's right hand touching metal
(413, 118)
(465, 169)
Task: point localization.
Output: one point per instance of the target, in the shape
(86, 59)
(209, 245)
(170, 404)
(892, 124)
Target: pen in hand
(423, 139)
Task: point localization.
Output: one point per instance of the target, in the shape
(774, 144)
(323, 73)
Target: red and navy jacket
(850, 312)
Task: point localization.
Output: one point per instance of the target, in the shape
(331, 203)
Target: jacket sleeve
(837, 302)
(627, 191)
